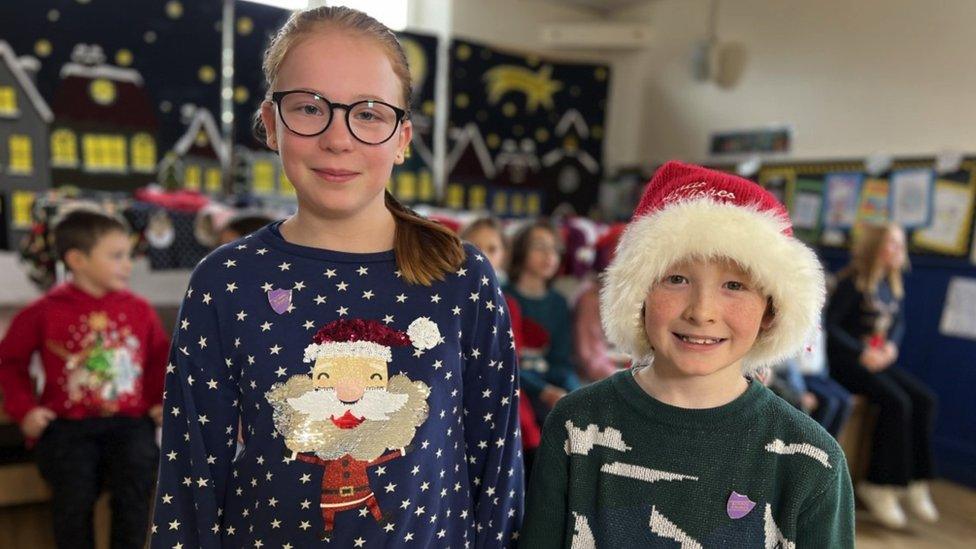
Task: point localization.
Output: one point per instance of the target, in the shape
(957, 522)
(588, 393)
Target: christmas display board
(525, 133)
(827, 200)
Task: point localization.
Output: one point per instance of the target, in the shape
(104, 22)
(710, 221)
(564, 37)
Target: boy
(104, 353)
(707, 284)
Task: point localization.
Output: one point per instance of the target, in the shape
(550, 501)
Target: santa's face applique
(348, 414)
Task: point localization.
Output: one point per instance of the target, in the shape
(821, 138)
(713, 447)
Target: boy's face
(107, 267)
(702, 317)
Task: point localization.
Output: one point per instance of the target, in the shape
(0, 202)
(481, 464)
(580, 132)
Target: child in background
(865, 322)
(806, 373)
(104, 353)
(486, 233)
(708, 283)
(594, 355)
(546, 317)
(242, 225)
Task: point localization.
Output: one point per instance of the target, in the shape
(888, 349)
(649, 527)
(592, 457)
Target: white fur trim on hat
(423, 333)
(365, 349)
(786, 269)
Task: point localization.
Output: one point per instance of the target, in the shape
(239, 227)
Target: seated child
(708, 283)
(104, 354)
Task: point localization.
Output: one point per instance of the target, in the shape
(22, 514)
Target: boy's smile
(702, 318)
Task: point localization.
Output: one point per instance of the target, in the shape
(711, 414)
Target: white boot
(882, 501)
(920, 501)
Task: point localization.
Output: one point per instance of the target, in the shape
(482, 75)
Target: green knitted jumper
(618, 468)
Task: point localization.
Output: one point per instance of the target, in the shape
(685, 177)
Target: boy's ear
(74, 258)
(769, 316)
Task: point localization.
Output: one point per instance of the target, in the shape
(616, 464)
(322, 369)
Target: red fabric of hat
(676, 182)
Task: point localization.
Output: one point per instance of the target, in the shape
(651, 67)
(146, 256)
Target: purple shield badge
(280, 300)
(738, 505)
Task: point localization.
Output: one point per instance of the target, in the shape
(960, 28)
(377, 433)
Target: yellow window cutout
(455, 196)
(533, 205)
(477, 195)
(262, 177)
(406, 188)
(104, 153)
(191, 178)
(518, 204)
(21, 159)
(20, 214)
(499, 204)
(212, 181)
(8, 101)
(64, 149)
(143, 153)
(425, 191)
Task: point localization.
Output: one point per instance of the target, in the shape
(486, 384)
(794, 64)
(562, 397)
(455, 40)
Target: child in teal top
(707, 284)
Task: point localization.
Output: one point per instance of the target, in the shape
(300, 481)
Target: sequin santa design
(349, 415)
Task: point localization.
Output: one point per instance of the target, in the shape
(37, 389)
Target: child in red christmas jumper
(104, 353)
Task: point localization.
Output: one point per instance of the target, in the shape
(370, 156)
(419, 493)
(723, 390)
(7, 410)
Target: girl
(363, 349)
(546, 318)
(865, 323)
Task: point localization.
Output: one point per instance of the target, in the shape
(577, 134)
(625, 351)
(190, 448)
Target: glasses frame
(401, 114)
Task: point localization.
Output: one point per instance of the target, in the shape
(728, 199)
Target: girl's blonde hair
(425, 250)
(866, 266)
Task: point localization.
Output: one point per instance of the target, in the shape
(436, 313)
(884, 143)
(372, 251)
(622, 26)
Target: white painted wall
(853, 77)
(159, 287)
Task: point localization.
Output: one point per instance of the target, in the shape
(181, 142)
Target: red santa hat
(369, 339)
(689, 211)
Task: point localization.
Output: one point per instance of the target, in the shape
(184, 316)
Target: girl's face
(702, 317)
(490, 243)
(892, 253)
(334, 175)
(542, 254)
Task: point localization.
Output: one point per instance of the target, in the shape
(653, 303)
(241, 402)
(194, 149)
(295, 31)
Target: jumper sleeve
(546, 512)
(492, 441)
(199, 427)
(844, 302)
(157, 351)
(828, 519)
(22, 340)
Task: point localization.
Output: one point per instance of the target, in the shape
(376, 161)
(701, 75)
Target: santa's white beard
(323, 404)
(303, 416)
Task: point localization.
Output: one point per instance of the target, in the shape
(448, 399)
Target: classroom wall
(851, 77)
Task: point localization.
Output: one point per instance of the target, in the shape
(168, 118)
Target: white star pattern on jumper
(422, 477)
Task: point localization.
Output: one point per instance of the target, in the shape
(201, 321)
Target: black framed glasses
(309, 114)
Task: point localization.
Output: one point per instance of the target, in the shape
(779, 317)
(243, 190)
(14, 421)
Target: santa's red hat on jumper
(370, 339)
(689, 211)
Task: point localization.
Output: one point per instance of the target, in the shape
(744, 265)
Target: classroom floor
(956, 527)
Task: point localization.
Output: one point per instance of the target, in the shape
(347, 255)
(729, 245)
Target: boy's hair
(520, 246)
(81, 229)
